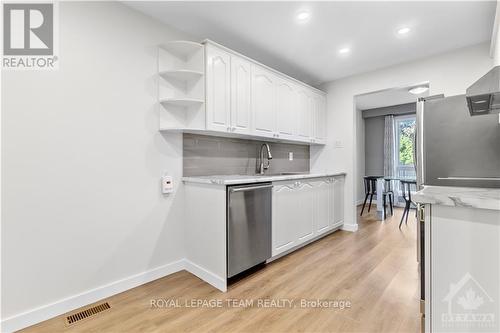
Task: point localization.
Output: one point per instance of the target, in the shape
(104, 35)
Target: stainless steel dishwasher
(248, 226)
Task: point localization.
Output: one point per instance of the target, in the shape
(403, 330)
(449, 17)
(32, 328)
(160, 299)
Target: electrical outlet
(339, 144)
(290, 156)
(167, 185)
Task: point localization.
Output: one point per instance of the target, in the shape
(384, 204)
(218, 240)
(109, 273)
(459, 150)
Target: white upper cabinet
(286, 109)
(240, 95)
(218, 89)
(319, 118)
(210, 89)
(263, 102)
(305, 114)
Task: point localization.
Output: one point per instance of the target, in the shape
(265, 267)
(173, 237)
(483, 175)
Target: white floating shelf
(182, 74)
(181, 48)
(183, 102)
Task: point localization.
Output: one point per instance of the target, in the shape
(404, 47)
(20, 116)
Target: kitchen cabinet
(218, 89)
(286, 109)
(263, 102)
(319, 118)
(304, 210)
(304, 217)
(240, 95)
(284, 210)
(338, 201)
(304, 119)
(209, 89)
(323, 205)
(459, 259)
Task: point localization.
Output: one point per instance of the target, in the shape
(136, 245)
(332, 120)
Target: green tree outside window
(406, 136)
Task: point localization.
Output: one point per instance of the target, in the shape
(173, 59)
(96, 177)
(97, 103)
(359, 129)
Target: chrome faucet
(263, 167)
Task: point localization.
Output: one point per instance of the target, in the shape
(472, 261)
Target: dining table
(381, 183)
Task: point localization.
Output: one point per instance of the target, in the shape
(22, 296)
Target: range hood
(483, 97)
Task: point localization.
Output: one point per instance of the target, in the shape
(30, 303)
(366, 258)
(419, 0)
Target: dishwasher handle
(249, 188)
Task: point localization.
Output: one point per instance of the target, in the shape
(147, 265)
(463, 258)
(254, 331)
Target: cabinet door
(304, 115)
(218, 110)
(319, 118)
(286, 109)
(322, 205)
(263, 102)
(284, 218)
(240, 95)
(305, 213)
(338, 201)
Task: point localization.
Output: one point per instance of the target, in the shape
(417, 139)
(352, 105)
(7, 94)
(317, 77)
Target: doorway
(385, 128)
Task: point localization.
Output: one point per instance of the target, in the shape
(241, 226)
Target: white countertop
(482, 198)
(245, 179)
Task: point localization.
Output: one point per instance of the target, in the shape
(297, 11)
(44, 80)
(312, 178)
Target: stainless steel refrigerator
(453, 146)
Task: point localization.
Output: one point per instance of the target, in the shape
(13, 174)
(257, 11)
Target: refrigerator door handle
(418, 147)
(470, 178)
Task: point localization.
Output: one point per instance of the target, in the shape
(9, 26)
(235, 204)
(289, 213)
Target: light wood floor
(374, 268)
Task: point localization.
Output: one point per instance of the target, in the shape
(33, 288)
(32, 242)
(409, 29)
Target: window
(405, 134)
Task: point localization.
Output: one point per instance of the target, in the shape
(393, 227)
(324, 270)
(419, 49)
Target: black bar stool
(406, 191)
(371, 190)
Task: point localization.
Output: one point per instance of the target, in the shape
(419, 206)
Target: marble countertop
(482, 198)
(245, 179)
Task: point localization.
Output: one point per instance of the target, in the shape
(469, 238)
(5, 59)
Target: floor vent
(87, 313)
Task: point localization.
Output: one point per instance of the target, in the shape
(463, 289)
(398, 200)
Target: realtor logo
(469, 305)
(28, 36)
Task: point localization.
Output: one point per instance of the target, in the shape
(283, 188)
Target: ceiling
(269, 31)
(389, 97)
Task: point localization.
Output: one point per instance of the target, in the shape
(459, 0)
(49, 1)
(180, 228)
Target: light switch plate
(339, 144)
(290, 156)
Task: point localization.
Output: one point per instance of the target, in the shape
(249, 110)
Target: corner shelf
(181, 48)
(181, 74)
(181, 85)
(181, 102)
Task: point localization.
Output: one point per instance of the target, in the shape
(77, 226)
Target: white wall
(448, 73)
(82, 159)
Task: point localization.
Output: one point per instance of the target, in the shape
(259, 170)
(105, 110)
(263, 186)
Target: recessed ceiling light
(418, 90)
(303, 16)
(403, 31)
(344, 50)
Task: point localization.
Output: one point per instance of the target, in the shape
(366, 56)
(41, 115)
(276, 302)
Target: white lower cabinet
(304, 215)
(323, 205)
(305, 209)
(284, 201)
(337, 215)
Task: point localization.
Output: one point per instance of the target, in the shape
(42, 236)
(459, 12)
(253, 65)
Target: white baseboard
(205, 275)
(350, 227)
(48, 311)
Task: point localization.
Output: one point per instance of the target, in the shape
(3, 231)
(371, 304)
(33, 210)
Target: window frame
(397, 121)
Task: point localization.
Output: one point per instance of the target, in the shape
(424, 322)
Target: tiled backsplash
(209, 155)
